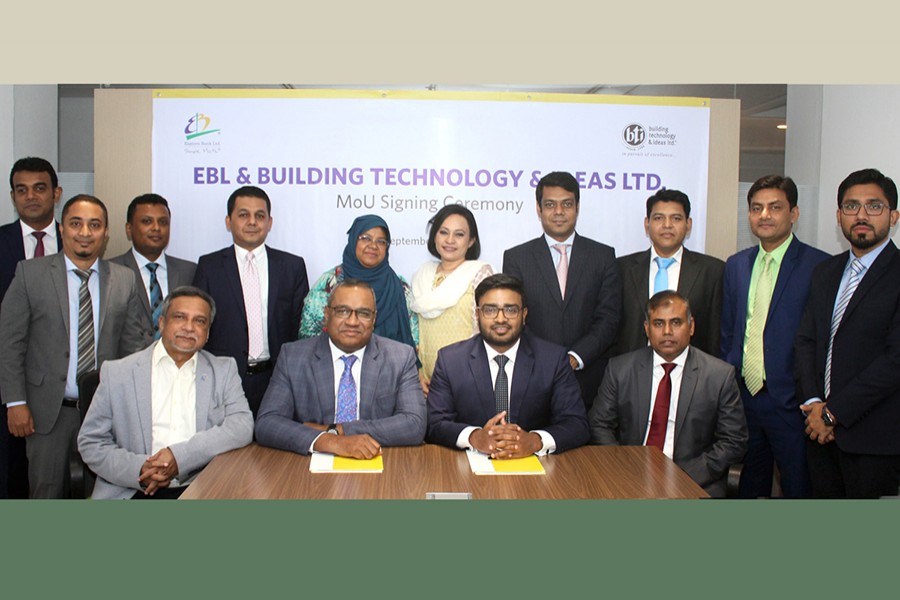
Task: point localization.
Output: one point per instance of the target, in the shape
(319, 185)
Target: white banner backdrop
(325, 158)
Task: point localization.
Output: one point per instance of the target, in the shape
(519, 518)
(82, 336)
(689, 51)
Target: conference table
(412, 473)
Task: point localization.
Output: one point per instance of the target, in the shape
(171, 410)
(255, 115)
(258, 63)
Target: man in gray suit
(668, 265)
(675, 397)
(345, 392)
(147, 227)
(160, 415)
(63, 315)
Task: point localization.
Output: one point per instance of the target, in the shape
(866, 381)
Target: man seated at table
(345, 392)
(675, 397)
(504, 392)
(161, 414)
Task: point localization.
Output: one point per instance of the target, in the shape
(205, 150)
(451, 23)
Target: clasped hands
(816, 428)
(500, 439)
(158, 471)
(362, 446)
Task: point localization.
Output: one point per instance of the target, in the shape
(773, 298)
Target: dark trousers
(839, 474)
(255, 387)
(13, 462)
(776, 437)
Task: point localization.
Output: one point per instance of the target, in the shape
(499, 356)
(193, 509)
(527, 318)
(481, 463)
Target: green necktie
(754, 361)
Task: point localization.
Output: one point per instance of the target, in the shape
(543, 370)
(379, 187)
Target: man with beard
(848, 349)
(505, 392)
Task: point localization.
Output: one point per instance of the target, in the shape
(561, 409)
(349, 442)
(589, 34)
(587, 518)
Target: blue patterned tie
(661, 282)
(346, 409)
(155, 299)
(856, 268)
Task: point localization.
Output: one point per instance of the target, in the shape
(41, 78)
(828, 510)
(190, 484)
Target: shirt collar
(778, 253)
(241, 253)
(551, 242)
(70, 266)
(677, 256)
(337, 353)
(510, 354)
(869, 258)
(143, 261)
(679, 360)
(50, 229)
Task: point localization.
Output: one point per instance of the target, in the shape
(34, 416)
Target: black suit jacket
(700, 281)
(865, 362)
(544, 393)
(217, 274)
(587, 321)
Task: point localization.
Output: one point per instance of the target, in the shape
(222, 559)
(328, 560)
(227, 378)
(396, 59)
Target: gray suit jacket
(34, 325)
(710, 428)
(700, 282)
(115, 438)
(391, 406)
(180, 272)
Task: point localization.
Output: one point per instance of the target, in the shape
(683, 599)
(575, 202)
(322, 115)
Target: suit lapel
(323, 371)
(233, 277)
(105, 285)
(687, 277)
(521, 377)
(143, 396)
(274, 266)
(689, 380)
(481, 376)
(577, 267)
(544, 262)
(203, 388)
(369, 374)
(743, 284)
(784, 274)
(58, 277)
(870, 278)
(132, 264)
(643, 367)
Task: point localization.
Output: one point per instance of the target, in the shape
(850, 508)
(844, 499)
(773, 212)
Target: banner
(326, 157)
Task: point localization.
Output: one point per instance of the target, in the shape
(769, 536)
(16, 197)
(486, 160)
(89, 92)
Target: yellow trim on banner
(435, 95)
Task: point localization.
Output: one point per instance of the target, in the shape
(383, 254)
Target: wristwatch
(827, 418)
(332, 429)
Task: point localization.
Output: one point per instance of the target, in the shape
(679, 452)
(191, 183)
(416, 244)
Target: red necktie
(39, 247)
(657, 435)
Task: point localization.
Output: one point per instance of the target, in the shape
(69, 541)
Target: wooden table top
(590, 472)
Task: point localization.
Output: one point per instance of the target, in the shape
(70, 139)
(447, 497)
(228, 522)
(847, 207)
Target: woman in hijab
(366, 258)
(444, 290)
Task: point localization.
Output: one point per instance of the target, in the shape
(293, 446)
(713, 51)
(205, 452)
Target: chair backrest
(87, 385)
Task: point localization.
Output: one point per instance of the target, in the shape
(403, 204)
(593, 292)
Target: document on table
(322, 462)
(482, 464)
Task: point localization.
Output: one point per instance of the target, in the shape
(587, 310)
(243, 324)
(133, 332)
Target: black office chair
(81, 478)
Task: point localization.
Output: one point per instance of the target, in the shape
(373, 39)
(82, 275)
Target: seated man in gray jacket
(161, 414)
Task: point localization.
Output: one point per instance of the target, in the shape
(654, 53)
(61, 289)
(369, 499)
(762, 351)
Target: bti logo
(198, 125)
(634, 135)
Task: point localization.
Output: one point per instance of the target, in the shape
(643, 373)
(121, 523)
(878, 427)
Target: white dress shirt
(262, 269)
(548, 444)
(675, 376)
(29, 242)
(173, 400)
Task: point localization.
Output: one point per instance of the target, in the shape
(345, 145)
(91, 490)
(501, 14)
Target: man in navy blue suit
(35, 192)
(504, 392)
(765, 289)
(259, 293)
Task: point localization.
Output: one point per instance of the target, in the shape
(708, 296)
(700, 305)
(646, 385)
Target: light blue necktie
(661, 282)
(346, 409)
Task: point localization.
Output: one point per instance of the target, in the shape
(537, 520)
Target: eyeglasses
(552, 204)
(344, 312)
(851, 207)
(368, 239)
(490, 311)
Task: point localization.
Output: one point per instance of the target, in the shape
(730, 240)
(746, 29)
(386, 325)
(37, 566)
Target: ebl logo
(198, 125)
(634, 136)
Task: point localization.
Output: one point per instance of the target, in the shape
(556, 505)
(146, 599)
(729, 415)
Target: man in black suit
(147, 227)
(585, 318)
(258, 290)
(668, 265)
(848, 349)
(35, 193)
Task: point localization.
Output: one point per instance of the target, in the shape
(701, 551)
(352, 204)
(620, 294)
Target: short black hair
(775, 182)
(189, 291)
(501, 281)
(33, 164)
(665, 195)
(251, 191)
(152, 199)
(437, 221)
(662, 298)
(558, 179)
(86, 198)
(865, 176)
